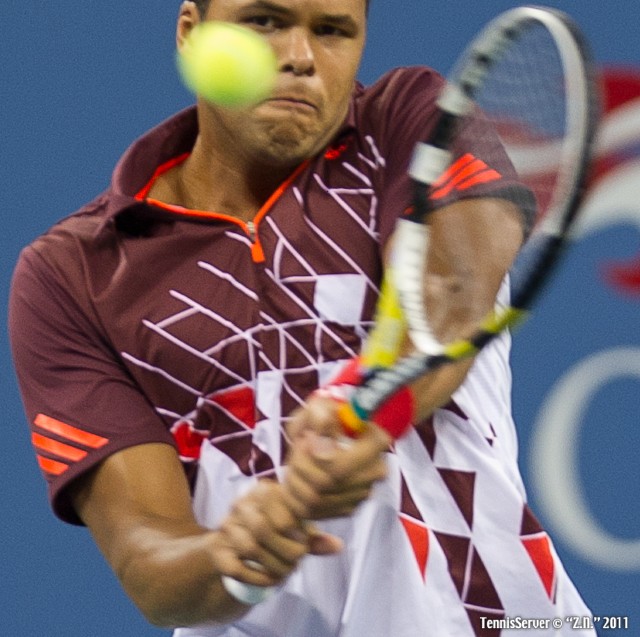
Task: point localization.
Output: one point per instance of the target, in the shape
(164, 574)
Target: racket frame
(536, 260)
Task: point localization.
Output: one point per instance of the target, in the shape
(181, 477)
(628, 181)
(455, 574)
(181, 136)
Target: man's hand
(326, 476)
(262, 539)
(269, 530)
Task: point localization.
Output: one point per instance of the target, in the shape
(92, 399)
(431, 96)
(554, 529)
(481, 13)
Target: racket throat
(408, 262)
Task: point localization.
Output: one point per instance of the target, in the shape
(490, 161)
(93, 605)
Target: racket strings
(527, 98)
(524, 97)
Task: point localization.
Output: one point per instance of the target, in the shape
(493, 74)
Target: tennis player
(170, 335)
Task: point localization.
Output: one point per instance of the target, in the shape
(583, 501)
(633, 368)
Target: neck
(219, 177)
(224, 182)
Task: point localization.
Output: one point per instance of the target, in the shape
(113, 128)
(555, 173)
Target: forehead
(354, 8)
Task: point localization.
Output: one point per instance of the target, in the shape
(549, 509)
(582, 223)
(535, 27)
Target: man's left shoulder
(399, 81)
(402, 96)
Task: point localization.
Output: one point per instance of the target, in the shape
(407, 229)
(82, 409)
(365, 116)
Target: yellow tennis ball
(227, 64)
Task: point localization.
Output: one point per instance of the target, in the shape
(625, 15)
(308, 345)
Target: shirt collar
(136, 167)
(167, 140)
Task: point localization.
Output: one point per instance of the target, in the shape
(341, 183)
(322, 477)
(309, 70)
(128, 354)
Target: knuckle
(313, 501)
(233, 569)
(261, 531)
(297, 553)
(247, 545)
(297, 507)
(307, 508)
(326, 481)
(265, 489)
(340, 474)
(296, 423)
(283, 524)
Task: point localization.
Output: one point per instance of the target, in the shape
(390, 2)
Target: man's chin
(290, 145)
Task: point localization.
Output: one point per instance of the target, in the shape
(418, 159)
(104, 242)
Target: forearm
(138, 508)
(435, 389)
(172, 576)
(473, 244)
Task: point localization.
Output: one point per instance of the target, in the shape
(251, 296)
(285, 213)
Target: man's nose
(296, 52)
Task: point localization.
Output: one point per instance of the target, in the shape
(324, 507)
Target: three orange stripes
(464, 173)
(65, 448)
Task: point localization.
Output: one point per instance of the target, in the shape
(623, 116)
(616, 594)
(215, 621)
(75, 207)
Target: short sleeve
(79, 400)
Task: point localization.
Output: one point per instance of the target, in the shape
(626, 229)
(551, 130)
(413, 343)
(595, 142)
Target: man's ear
(188, 17)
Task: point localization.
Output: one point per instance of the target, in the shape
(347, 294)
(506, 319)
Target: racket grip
(247, 594)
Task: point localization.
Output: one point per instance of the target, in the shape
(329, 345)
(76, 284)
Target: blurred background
(80, 80)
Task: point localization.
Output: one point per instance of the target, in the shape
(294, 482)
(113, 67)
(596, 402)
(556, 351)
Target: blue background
(79, 81)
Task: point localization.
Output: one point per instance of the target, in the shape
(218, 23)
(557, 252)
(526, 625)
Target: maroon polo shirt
(135, 322)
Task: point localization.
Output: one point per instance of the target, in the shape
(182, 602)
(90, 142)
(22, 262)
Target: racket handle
(247, 594)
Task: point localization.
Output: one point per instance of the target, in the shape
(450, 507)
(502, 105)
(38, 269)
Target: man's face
(318, 45)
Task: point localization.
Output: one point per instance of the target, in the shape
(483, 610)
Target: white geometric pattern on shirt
(444, 486)
(308, 316)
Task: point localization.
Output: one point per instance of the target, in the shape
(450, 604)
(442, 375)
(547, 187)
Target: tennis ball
(227, 64)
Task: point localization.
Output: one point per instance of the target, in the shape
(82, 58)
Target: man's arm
(473, 243)
(137, 506)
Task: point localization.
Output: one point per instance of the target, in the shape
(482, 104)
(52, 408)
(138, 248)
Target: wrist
(395, 415)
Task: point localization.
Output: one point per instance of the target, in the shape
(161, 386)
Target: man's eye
(260, 22)
(331, 30)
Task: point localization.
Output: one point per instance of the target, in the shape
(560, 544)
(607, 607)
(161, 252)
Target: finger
(274, 502)
(238, 533)
(359, 464)
(328, 490)
(363, 459)
(315, 506)
(339, 505)
(306, 481)
(282, 548)
(267, 532)
(319, 415)
(321, 543)
(250, 572)
(249, 561)
(278, 560)
(318, 430)
(229, 564)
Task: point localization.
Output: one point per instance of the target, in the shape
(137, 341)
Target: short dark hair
(203, 5)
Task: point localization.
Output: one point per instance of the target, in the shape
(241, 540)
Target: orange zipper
(249, 227)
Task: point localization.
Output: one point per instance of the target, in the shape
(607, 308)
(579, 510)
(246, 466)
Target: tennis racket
(529, 75)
